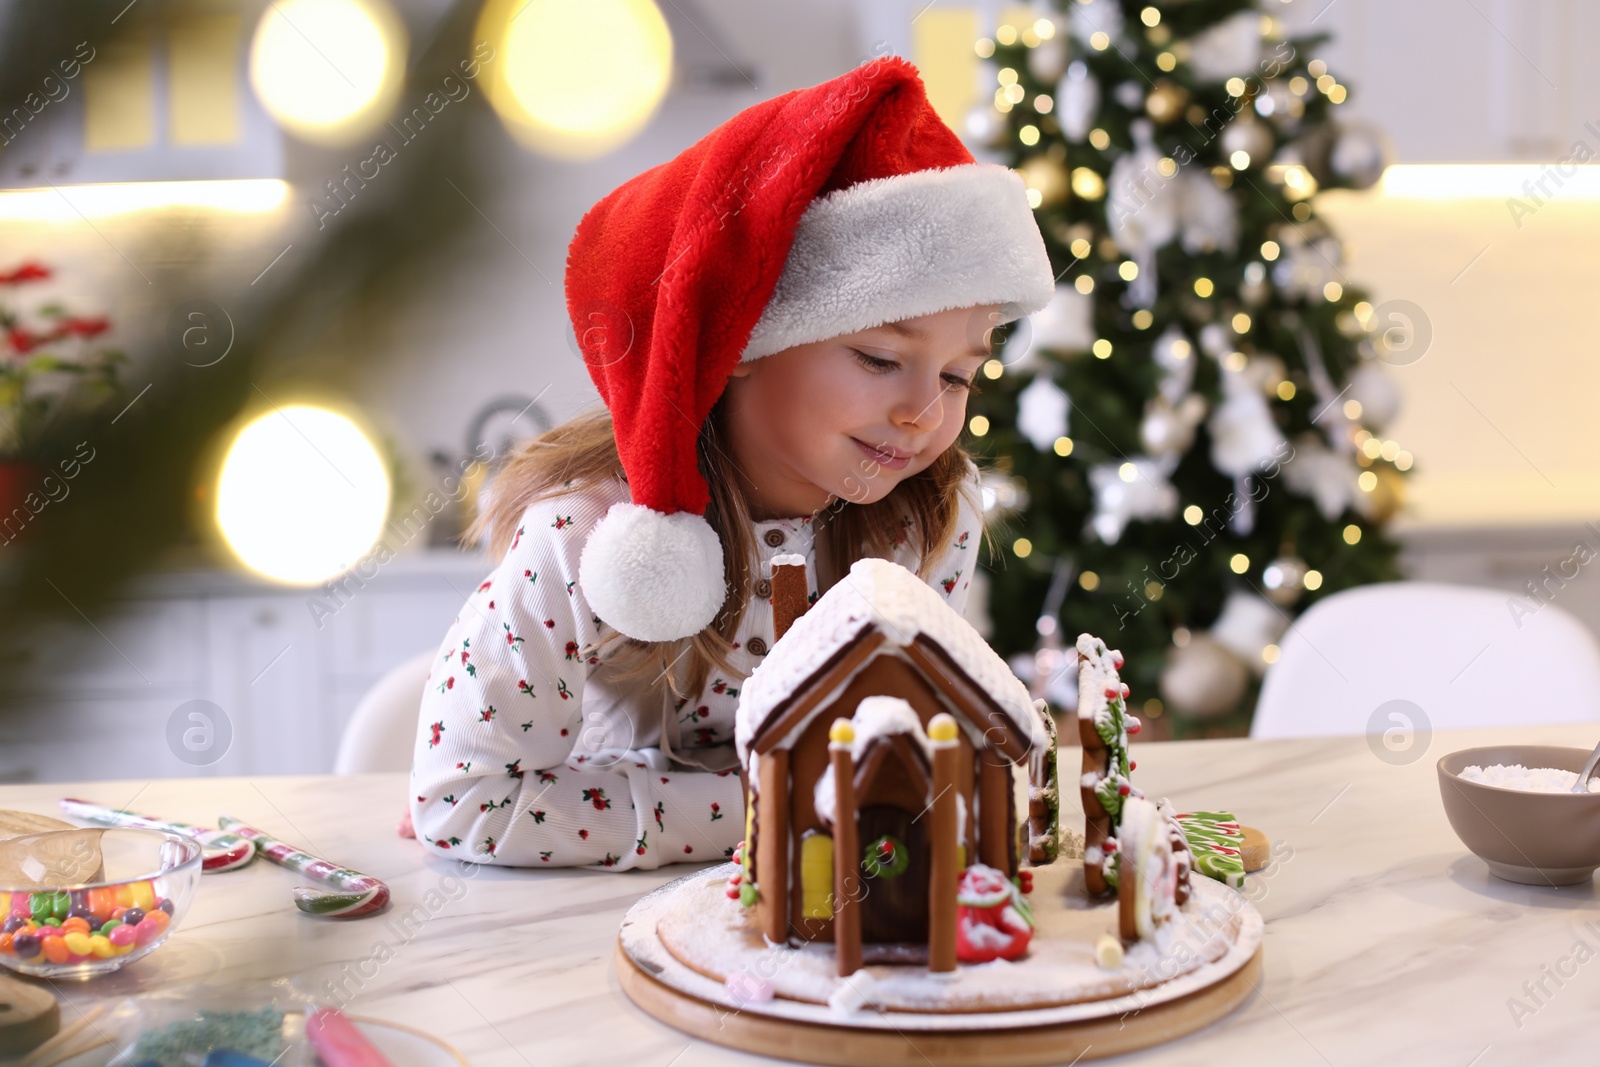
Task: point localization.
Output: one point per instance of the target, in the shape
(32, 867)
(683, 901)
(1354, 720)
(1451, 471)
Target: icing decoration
(1103, 728)
(1216, 843)
(741, 886)
(885, 858)
(1181, 853)
(993, 919)
(1044, 799)
(1148, 881)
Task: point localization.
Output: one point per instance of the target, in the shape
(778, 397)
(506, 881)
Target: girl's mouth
(889, 460)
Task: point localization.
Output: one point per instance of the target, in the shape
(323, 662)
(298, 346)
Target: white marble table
(1386, 941)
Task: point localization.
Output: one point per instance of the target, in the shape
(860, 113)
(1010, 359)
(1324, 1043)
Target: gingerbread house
(857, 829)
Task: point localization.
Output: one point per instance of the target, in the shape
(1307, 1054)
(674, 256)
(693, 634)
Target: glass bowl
(77, 903)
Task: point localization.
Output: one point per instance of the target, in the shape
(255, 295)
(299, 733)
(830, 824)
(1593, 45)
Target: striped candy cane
(353, 894)
(220, 851)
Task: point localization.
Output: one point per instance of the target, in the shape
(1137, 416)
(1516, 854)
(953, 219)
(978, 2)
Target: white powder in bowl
(1528, 779)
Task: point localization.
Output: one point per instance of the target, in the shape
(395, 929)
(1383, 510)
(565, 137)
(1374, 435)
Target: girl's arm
(505, 770)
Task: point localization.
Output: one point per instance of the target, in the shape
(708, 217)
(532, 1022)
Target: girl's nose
(921, 410)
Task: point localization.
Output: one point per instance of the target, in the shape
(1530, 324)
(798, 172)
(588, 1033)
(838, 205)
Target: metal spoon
(1582, 784)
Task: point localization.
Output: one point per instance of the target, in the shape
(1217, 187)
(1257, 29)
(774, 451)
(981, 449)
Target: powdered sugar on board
(1216, 933)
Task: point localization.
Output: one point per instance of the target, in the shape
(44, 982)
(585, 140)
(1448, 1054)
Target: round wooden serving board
(1086, 1028)
(844, 1046)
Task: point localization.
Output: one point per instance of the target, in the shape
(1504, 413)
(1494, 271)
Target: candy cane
(357, 894)
(220, 851)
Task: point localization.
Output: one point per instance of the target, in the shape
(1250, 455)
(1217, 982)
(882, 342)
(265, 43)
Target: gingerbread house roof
(881, 595)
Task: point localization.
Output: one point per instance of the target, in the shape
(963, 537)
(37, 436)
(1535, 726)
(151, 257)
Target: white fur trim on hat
(913, 244)
(653, 576)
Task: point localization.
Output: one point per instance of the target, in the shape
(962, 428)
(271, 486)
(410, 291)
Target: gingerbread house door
(892, 802)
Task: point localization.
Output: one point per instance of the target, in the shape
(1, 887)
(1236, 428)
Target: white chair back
(383, 730)
(1462, 656)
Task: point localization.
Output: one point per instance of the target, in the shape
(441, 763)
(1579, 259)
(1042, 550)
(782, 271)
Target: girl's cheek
(955, 415)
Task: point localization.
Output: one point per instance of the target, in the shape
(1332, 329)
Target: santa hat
(820, 212)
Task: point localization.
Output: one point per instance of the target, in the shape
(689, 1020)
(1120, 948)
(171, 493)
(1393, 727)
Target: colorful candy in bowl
(76, 903)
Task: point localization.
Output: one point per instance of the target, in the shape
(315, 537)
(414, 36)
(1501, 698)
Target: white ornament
(1210, 220)
(1248, 624)
(984, 125)
(1230, 49)
(1046, 60)
(1119, 501)
(1245, 134)
(1096, 16)
(1284, 579)
(1130, 95)
(1327, 477)
(1142, 209)
(1077, 102)
(1253, 289)
(1042, 412)
(1377, 394)
(1175, 356)
(1065, 324)
(1244, 436)
(1202, 679)
(1277, 100)
(1360, 154)
(1214, 340)
(1167, 429)
(1305, 266)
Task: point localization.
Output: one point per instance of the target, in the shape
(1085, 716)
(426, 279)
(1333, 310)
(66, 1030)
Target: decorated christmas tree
(1192, 434)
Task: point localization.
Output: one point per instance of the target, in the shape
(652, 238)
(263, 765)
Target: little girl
(784, 322)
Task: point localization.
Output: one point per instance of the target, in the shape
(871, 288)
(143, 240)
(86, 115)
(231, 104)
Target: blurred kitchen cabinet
(205, 673)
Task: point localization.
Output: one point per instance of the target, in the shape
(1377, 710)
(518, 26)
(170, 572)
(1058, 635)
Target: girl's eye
(878, 365)
(873, 363)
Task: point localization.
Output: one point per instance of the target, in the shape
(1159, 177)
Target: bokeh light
(302, 495)
(575, 81)
(328, 71)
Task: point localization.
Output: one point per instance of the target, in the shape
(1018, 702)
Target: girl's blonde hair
(583, 452)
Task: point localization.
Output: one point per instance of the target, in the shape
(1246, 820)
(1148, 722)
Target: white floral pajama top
(529, 753)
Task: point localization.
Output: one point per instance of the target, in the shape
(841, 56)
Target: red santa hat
(817, 213)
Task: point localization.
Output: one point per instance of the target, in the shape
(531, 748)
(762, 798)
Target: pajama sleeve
(507, 769)
(953, 574)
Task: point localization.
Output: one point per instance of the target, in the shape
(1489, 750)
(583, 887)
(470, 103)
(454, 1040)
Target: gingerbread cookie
(1103, 728)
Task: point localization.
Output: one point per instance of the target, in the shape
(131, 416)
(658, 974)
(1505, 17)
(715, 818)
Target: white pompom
(653, 576)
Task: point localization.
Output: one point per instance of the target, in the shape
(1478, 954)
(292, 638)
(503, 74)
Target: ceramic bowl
(1533, 838)
(77, 903)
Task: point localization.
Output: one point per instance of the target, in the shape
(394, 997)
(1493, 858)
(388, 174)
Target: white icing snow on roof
(883, 593)
(875, 717)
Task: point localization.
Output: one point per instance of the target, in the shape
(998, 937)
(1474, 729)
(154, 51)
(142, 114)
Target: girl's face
(855, 415)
